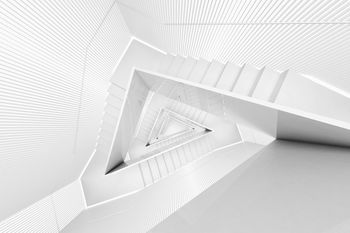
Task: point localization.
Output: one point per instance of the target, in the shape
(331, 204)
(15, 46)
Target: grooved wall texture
(50, 214)
(56, 58)
(311, 37)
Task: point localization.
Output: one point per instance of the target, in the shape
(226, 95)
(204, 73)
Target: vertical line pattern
(50, 214)
(47, 49)
(83, 73)
(308, 36)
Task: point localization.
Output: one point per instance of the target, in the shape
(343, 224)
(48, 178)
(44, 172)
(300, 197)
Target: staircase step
(267, 83)
(202, 117)
(199, 148)
(279, 85)
(146, 173)
(175, 65)
(205, 145)
(199, 71)
(229, 76)
(165, 89)
(103, 146)
(181, 154)
(177, 163)
(114, 101)
(106, 127)
(169, 162)
(116, 91)
(162, 166)
(195, 149)
(188, 153)
(111, 125)
(165, 63)
(106, 135)
(213, 73)
(112, 111)
(197, 115)
(109, 119)
(154, 169)
(247, 80)
(187, 67)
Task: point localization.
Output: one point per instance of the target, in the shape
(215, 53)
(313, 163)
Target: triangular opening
(170, 128)
(170, 125)
(173, 126)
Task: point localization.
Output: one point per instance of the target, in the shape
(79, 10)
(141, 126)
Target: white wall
(94, 180)
(131, 112)
(310, 37)
(287, 187)
(256, 123)
(301, 93)
(105, 51)
(268, 121)
(55, 62)
(50, 214)
(143, 210)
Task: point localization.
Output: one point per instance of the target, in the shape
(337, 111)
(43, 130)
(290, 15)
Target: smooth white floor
(289, 188)
(142, 211)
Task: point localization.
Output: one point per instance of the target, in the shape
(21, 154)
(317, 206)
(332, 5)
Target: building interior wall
(56, 59)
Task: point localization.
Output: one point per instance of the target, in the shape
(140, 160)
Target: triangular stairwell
(171, 125)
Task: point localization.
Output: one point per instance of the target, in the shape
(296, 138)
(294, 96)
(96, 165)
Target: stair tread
(114, 101)
(213, 73)
(162, 166)
(176, 159)
(199, 71)
(112, 111)
(154, 169)
(229, 76)
(116, 91)
(186, 67)
(181, 155)
(266, 86)
(169, 162)
(147, 177)
(246, 80)
(165, 63)
(175, 65)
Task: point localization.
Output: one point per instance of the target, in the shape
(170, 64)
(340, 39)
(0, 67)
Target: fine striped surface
(56, 58)
(152, 205)
(50, 214)
(306, 36)
(39, 217)
(68, 203)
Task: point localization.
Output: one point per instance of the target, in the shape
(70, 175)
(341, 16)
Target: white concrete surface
(289, 187)
(143, 210)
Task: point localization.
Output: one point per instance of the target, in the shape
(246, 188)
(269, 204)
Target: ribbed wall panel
(50, 214)
(310, 37)
(102, 55)
(39, 217)
(68, 203)
(56, 58)
(211, 11)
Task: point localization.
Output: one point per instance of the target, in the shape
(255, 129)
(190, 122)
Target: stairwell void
(170, 108)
